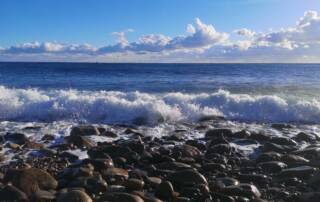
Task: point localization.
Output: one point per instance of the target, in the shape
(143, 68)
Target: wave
(130, 107)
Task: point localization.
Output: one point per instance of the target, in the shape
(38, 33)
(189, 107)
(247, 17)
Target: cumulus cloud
(201, 36)
(245, 32)
(201, 42)
(48, 47)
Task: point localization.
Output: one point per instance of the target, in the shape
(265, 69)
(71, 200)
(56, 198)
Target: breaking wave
(148, 108)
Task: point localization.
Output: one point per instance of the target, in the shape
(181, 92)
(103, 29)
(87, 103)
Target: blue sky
(94, 22)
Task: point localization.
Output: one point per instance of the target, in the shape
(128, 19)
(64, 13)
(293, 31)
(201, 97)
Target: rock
(30, 180)
(2, 157)
(80, 141)
(33, 145)
(42, 195)
(115, 175)
(120, 197)
(12, 193)
(305, 137)
(309, 197)
(283, 141)
(281, 126)
(213, 133)
(243, 134)
(214, 167)
(211, 118)
(93, 185)
(165, 191)
(246, 190)
(153, 181)
(220, 149)
(134, 184)
(180, 178)
(74, 196)
(84, 131)
(272, 166)
(294, 160)
(268, 147)
(109, 134)
(300, 172)
(17, 138)
(187, 150)
(227, 181)
(268, 156)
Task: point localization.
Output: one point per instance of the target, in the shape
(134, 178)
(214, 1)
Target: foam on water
(120, 107)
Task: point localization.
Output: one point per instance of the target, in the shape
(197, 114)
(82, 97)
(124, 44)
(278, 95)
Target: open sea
(122, 93)
(158, 99)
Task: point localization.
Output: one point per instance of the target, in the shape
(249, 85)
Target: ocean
(159, 99)
(123, 93)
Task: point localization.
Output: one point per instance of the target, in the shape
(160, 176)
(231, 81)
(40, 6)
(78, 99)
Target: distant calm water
(123, 92)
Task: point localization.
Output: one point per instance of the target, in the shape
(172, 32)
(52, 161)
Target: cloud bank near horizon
(201, 43)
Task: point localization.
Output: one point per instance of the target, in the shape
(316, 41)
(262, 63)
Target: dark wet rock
(214, 167)
(211, 118)
(272, 166)
(153, 181)
(93, 185)
(42, 195)
(227, 181)
(33, 145)
(173, 166)
(74, 196)
(165, 191)
(268, 147)
(17, 138)
(134, 184)
(120, 197)
(176, 137)
(115, 175)
(281, 126)
(283, 141)
(201, 146)
(301, 171)
(80, 141)
(12, 193)
(99, 163)
(48, 137)
(294, 160)
(261, 137)
(256, 178)
(2, 157)
(311, 152)
(309, 197)
(180, 178)
(305, 137)
(268, 156)
(187, 150)
(214, 133)
(31, 180)
(84, 131)
(246, 190)
(116, 188)
(222, 149)
(13, 146)
(242, 134)
(145, 197)
(109, 134)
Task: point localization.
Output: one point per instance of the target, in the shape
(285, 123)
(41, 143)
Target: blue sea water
(112, 93)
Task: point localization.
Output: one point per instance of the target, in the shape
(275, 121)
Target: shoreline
(206, 161)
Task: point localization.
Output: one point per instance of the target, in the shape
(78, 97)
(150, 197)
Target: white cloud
(202, 43)
(245, 32)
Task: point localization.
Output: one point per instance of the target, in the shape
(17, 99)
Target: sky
(160, 30)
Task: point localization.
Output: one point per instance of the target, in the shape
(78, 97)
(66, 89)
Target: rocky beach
(211, 160)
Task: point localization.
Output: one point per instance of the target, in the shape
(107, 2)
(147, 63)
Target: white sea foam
(121, 107)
